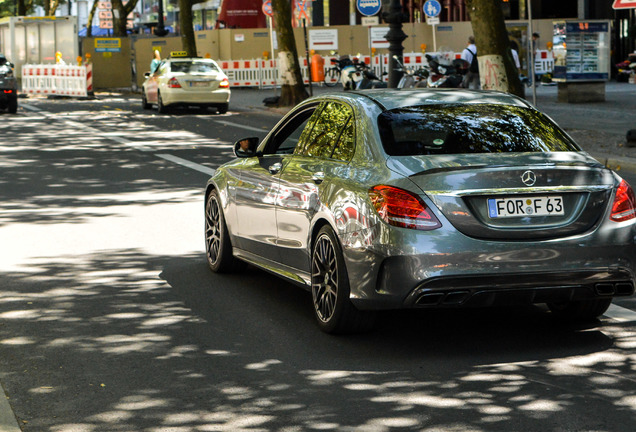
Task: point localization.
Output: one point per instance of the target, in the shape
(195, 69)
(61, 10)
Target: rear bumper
(444, 268)
(182, 97)
(498, 290)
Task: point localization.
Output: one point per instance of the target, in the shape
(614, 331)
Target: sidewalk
(599, 128)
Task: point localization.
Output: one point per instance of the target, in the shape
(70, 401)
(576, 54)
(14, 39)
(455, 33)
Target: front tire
(580, 311)
(218, 247)
(330, 289)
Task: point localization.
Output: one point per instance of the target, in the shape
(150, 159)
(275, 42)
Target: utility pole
(395, 17)
(160, 30)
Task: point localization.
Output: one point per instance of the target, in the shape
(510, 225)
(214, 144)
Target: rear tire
(161, 108)
(330, 289)
(144, 101)
(580, 311)
(13, 105)
(222, 109)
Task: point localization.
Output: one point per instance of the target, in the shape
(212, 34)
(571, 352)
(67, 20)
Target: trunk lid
(513, 196)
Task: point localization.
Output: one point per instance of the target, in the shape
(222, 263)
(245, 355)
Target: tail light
(173, 83)
(624, 207)
(8, 91)
(403, 209)
(224, 83)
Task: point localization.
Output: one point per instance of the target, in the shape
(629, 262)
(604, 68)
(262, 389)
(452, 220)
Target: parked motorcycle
(411, 77)
(446, 75)
(358, 76)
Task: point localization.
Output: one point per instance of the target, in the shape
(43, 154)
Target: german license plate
(526, 206)
(199, 83)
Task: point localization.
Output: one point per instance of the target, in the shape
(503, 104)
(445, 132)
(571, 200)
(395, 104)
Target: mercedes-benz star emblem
(528, 178)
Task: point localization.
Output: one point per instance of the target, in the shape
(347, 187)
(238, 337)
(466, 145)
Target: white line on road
(238, 125)
(186, 163)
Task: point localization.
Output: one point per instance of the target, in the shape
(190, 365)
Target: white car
(187, 81)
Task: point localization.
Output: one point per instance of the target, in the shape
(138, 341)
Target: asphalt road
(111, 321)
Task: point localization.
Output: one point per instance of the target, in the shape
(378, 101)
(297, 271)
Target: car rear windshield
(189, 66)
(476, 128)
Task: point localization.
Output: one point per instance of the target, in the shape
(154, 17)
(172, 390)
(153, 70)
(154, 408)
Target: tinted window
(456, 129)
(328, 131)
(285, 140)
(193, 66)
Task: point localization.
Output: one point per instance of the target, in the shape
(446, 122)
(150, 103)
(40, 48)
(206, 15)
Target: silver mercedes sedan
(429, 198)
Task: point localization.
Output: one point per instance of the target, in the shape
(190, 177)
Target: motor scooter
(411, 77)
(360, 77)
(446, 75)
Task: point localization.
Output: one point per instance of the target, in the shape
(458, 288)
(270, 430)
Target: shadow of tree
(103, 344)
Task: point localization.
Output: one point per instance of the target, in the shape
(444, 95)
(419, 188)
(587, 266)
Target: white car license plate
(199, 83)
(528, 206)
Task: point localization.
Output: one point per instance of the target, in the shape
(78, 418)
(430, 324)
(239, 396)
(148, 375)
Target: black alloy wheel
(330, 289)
(217, 239)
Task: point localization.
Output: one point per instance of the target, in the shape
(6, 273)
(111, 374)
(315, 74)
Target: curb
(8, 422)
(616, 163)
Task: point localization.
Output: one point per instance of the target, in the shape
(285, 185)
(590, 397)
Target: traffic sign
(432, 20)
(624, 4)
(432, 8)
(267, 8)
(369, 7)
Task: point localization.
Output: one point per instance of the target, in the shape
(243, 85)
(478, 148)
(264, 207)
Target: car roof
(190, 59)
(390, 99)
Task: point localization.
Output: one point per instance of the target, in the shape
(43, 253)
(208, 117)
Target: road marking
(186, 163)
(238, 125)
(621, 314)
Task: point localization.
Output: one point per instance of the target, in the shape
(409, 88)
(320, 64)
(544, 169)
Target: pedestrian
(156, 62)
(471, 79)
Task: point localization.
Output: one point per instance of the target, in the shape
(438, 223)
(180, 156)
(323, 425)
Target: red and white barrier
(54, 79)
(89, 79)
(263, 73)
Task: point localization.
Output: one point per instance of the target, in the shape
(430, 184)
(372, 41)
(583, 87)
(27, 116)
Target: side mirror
(246, 147)
(147, 74)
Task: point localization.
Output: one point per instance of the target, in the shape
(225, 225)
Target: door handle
(275, 168)
(318, 177)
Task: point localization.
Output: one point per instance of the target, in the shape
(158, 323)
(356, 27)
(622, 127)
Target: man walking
(471, 79)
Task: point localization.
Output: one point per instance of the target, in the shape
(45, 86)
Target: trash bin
(317, 68)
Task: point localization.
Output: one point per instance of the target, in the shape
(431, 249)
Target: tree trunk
(497, 70)
(22, 8)
(120, 16)
(188, 42)
(91, 15)
(292, 88)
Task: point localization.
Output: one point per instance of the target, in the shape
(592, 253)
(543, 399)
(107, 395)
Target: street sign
(369, 7)
(370, 21)
(432, 8)
(267, 8)
(432, 20)
(624, 4)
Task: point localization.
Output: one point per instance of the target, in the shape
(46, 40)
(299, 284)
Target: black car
(8, 86)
